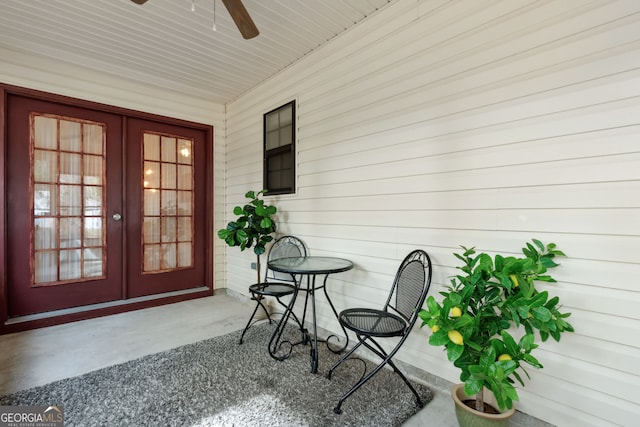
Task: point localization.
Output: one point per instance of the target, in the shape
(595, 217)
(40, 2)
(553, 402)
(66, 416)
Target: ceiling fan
(239, 14)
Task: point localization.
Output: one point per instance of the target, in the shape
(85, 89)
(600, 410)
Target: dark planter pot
(468, 417)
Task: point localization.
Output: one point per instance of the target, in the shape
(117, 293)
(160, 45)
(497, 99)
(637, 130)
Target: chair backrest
(284, 247)
(410, 286)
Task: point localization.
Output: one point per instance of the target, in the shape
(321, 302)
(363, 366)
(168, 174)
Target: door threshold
(102, 306)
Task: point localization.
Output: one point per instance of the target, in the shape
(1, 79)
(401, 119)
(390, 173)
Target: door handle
(117, 217)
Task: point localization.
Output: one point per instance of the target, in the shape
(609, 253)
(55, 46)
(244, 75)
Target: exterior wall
(435, 124)
(54, 77)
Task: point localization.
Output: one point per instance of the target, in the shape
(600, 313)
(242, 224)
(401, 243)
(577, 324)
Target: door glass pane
(45, 233)
(151, 258)
(184, 254)
(68, 226)
(168, 149)
(92, 172)
(169, 229)
(168, 258)
(151, 230)
(70, 262)
(167, 215)
(151, 175)
(151, 204)
(45, 166)
(70, 168)
(151, 146)
(184, 202)
(45, 200)
(93, 138)
(184, 151)
(45, 266)
(70, 139)
(185, 177)
(70, 232)
(92, 262)
(70, 200)
(45, 132)
(168, 174)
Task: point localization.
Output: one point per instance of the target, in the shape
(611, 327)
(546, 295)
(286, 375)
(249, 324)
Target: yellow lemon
(456, 312)
(456, 337)
(504, 357)
(435, 328)
(514, 279)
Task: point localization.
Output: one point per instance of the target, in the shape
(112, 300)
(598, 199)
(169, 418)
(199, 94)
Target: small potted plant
(492, 299)
(253, 227)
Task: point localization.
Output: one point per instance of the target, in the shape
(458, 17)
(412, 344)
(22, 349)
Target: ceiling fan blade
(241, 17)
(139, 1)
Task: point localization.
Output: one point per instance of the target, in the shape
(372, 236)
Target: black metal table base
(281, 349)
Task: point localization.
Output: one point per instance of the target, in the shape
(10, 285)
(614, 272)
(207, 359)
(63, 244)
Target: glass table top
(310, 265)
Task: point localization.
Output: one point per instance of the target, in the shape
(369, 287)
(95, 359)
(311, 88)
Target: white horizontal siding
(435, 124)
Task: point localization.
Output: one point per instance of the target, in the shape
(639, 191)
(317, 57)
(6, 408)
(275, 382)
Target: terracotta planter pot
(468, 417)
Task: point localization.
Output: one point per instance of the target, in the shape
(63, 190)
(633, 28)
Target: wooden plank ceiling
(165, 43)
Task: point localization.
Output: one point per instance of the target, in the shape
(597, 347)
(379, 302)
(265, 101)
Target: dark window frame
(281, 150)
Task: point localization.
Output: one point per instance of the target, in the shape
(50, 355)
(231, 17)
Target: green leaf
(432, 305)
(265, 223)
(517, 376)
(439, 338)
(538, 243)
(544, 335)
(473, 345)
(425, 316)
(473, 386)
(552, 302)
(455, 298)
(523, 311)
(454, 351)
(238, 210)
(526, 342)
(531, 360)
(541, 313)
(242, 236)
(488, 357)
(510, 343)
(462, 321)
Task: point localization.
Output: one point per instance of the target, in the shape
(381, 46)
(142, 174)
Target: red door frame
(83, 292)
(5, 325)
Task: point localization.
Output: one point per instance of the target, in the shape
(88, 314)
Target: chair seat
(376, 323)
(272, 289)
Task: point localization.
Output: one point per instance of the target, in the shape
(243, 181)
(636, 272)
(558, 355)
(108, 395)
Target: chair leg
(355, 388)
(286, 307)
(386, 359)
(407, 382)
(258, 299)
(342, 359)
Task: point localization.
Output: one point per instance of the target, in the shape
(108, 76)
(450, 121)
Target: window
(279, 149)
(67, 176)
(167, 217)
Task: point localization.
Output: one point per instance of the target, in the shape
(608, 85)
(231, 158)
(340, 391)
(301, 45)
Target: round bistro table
(309, 268)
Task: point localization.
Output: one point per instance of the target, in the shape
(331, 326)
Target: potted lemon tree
(253, 227)
(488, 322)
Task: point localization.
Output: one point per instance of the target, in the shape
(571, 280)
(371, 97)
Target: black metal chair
(396, 319)
(276, 284)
